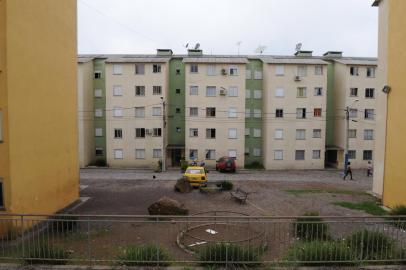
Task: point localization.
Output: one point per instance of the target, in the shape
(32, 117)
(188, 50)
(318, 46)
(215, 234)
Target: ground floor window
(140, 153)
(99, 152)
(367, 155)
(210, 154)
(156, 153)
(300, 154)
(316, 154)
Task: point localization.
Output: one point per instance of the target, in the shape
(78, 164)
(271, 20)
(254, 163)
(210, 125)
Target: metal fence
(219, 238)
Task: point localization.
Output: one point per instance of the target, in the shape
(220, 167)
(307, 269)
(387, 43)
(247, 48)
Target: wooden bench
(240, 195)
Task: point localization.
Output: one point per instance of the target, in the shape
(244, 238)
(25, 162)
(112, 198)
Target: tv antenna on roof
(197, 46)
(186, 46)
(298, 47)
(260, 49)
(238, 46)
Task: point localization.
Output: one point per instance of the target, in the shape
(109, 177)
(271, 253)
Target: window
(300, 134)
(316, 154)
(302, 71)
(280, 70)
(156, 68)
(117, 112)
(140, 112)
(317, 112)
(194, 90)
(353, 113)
(98, 93)
(352, 133)
(98, 113)
(140, 153)
(99, 152)
(193, 154)
(118, 154)
(256, 152)
(247, 93)
(139, 69)
(211, 70)
(98, 132)
(248, 74)
(233, 91)
(232, 133)
(117, 69)
(232, 153)
(233, 70)
(232, 112)
(210, 133)
(367, 155)
(247, 132)
(278, 154)
(140, 133)
(318, 91)
(257, 94)
(193, 111)
(210, 91)
(368, 134)
(156, 111)
(353, 92)
(354, 71)
(258, 75)
(177, 110)
(210, 112)
(140, 90)
(156, 153)
(247, 113)
(257, 113)
(371, 72)
(177, 91)
(157, 90)
(117, 90)
(352, 154)
(257, 132)
(193, 132)
(279, 134)
(280, 92)
(118, 133)
(194, 68)
(300, 155)
(301, 113)
(279, 113)
(369, 92)
(210, 154)
(369, 114)
(301, 92)
(316, 133)
(157, 132)
(97, 74)
(318, 70)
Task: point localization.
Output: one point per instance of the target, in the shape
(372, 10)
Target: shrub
(311, 227)
(47, 254)
(183, 165)
(149, 255)
(400, 222)
(254, 165)
(319, 253)
(225, 185)
(231, 254)
(100, 162)
(64, 224)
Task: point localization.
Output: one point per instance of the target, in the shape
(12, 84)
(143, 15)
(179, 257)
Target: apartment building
(294, 111)
(355, 86)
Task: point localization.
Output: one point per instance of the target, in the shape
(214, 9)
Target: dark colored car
(226, 164)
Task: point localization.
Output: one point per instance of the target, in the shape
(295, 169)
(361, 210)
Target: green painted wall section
(176, 100)
(251, 103)
(330, 105)
(100, 103)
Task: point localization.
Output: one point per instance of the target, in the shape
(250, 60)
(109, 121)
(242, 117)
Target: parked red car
(226, 164)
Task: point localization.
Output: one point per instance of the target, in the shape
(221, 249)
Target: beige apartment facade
(294, 112)
(215, 108)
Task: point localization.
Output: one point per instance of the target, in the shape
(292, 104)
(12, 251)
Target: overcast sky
(141, 26)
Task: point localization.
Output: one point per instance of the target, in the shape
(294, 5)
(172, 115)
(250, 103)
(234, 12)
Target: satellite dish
(260, 49)
(197, 46)
(298, 46)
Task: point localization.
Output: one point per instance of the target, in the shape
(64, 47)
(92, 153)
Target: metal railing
(217, 238)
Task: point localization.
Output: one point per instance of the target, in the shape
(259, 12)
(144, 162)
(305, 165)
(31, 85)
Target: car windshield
(195, 171)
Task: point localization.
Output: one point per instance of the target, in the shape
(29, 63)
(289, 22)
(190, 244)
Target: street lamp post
(347, 130)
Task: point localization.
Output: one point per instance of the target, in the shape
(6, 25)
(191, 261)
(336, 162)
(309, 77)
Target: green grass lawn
(369, 207)
(331, 191)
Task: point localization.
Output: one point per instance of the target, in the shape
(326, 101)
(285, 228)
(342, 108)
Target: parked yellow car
(197, 176)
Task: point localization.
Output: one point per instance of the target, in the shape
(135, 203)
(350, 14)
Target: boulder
(167, 206)
(183, 185)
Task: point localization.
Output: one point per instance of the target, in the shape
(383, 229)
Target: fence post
(362, 246)
(22, 236)
(89, 254)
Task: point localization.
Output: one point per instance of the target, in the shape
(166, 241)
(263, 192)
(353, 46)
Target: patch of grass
(47, 254)
(235, 255)
(369, 207)
(149, 255)
(311, 227)
(331, 191)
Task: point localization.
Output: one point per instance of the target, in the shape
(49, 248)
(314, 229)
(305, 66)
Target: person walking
(369, 169)
(348, 171)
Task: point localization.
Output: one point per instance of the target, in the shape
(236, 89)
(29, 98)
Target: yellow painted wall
(41, 81)
(395, 174)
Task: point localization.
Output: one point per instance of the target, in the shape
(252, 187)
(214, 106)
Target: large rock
(167, 206)
(183, 185)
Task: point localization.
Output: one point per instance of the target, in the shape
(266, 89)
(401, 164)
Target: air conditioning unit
(297, 78)
(148, 131)
(223, 71)
(223, 92)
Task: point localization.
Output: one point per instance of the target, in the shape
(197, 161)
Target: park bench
(240, 195)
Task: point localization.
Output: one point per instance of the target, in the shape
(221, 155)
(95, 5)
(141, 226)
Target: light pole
(347, 130)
